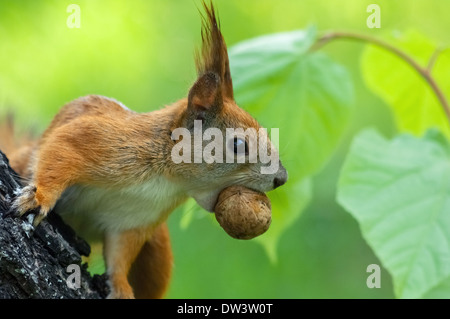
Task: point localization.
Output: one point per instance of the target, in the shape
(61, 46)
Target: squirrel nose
(281, 178)
(277, 182)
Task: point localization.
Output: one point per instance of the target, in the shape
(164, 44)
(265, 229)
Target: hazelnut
(243, 213)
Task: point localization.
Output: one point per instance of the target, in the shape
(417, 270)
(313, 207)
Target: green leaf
(440, 291)
(415, 105)
(399, 191)
(304, 94)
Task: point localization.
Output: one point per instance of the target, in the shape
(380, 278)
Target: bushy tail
(8, 144)
(151, 271)
(18, 149)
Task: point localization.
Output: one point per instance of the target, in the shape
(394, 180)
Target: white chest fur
(92, 211)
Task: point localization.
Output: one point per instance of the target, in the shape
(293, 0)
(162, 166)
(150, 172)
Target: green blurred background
(141, 53)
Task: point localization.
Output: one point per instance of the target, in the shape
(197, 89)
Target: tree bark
(41, 262)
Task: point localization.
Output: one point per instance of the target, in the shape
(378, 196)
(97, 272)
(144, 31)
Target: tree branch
(424, 72)
(34, 263)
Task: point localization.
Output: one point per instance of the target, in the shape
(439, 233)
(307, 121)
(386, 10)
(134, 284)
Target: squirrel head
(221, 144)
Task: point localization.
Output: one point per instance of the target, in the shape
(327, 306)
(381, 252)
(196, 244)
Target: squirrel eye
(239, 146)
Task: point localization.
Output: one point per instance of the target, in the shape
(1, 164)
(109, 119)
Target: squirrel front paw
(27, 201)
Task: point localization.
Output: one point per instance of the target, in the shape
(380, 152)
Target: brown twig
(424, 72)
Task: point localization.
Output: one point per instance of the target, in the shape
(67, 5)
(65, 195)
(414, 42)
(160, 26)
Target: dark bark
(33, 262)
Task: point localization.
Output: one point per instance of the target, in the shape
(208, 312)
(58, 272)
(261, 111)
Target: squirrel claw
(39, 217)
(26, 202)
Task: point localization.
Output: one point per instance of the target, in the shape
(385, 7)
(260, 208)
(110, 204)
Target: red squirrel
(108, 171)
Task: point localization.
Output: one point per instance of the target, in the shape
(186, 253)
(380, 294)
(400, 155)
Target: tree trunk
(44, 262)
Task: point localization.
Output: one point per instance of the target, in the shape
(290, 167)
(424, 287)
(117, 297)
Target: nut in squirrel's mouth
(238, 192)
(208, 199)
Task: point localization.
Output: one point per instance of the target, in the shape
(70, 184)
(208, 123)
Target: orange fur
(121, 251)
(7, 140)
(151, 271)
(17, 149)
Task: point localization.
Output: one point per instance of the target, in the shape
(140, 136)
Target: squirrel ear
(205, 96)
(213, 56)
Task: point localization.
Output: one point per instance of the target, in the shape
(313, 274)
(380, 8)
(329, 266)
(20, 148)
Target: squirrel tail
(8, 143)
(17, 149)
(150, 273)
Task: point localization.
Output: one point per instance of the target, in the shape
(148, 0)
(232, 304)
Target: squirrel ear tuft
(213, 56)
(206, 94)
